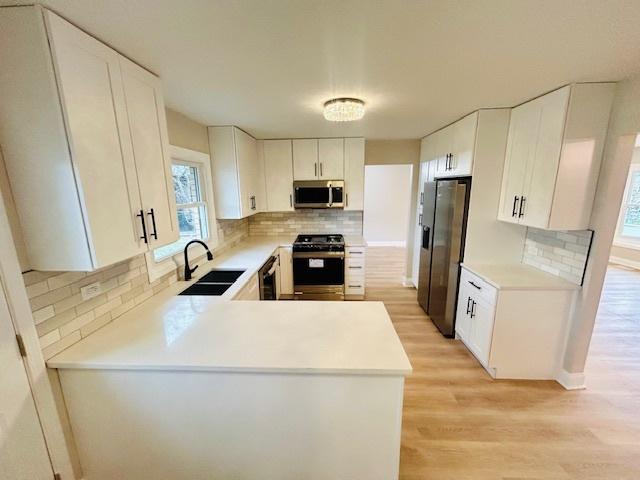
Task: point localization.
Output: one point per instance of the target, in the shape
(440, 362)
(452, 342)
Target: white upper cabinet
(238, 176)
(331, 158)
(73, 122)
(150, 140)
(305, 159)
(453, 147)
(318, 159)
(553, 157)
(278, 167)
(354, 173)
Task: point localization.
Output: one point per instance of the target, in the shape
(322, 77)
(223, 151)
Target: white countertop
(171, 332)
(519, 277)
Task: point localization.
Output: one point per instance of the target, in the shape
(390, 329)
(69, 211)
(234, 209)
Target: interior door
(93, 102)
(543, 168)
(305, 159)
(148, 127)
(23, 453)
(331, 158)
(523, 129)
(278, 164)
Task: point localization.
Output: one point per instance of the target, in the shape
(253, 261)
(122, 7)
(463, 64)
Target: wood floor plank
(460, 424)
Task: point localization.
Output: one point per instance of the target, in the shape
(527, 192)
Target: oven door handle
(318, 255)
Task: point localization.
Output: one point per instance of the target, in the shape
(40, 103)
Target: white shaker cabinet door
(523, 128)
(354, 173)
(542, 169)
(463, 144)
(286, 270)
(331, 158)
(248, 171)
(305, 159)
(278, 165)
(148, 126)
(90, 85)
(481, 325)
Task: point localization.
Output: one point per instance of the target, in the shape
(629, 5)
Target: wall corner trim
(571, 381)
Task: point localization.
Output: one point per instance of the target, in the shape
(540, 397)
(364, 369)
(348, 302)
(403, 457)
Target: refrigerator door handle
(426, 233)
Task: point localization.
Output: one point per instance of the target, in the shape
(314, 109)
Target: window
(629, 222)
(191, 201)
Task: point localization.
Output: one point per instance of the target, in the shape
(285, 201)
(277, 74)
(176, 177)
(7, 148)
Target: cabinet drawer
(355, 263)
(355, 251)
(479, 287)
(354, 286)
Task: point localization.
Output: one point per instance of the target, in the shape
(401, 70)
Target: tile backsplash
(562, 253)
(62, 317)
(306, 221)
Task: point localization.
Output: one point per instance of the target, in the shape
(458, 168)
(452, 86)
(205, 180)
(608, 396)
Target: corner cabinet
(85, 145)
(553, 156)
(238, 176)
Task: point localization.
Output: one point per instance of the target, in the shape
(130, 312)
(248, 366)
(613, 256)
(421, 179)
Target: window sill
(626, 243)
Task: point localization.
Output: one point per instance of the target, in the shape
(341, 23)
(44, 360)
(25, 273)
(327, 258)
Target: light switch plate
(90, 291)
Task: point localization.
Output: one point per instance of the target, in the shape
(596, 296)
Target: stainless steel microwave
(318, 194)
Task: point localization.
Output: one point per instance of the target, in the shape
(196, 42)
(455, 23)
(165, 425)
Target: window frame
(620, 239)
(202, 161)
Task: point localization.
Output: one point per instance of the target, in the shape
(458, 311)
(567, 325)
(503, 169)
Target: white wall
(387, 198)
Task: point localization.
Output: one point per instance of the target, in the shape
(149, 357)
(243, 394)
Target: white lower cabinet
(354, 273)
(251, 291)
(286, 270)
(514, 332)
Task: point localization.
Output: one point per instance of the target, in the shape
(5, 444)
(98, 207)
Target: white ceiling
(268, 65)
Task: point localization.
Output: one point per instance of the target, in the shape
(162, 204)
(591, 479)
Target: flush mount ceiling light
(343, 109)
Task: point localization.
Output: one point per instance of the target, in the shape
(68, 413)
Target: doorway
(614, 354)
(387, 198)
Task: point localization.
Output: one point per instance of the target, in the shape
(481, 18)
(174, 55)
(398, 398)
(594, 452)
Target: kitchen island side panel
(201, 425)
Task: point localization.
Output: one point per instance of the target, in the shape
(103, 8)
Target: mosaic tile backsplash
(563, 253)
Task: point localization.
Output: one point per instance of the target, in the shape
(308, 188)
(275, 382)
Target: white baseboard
(399, 243)
(625, 262)
(571, 381)
(408, 282)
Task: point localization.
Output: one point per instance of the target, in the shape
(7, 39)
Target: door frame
(35, 367)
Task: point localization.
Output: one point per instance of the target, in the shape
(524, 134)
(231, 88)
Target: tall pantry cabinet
(84, 138)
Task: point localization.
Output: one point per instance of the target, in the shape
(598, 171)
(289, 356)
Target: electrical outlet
(91, 290)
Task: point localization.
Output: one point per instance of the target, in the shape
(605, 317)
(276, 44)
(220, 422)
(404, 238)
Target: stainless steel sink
(216, 282)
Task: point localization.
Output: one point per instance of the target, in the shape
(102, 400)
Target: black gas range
(318, 267)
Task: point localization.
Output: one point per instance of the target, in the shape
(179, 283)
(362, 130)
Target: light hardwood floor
(459, 424)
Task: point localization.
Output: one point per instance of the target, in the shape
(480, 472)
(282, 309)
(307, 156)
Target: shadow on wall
(387, 198)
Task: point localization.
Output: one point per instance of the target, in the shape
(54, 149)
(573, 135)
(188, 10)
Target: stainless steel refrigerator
(444, 225)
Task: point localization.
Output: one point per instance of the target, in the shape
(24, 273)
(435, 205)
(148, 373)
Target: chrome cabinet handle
(473, 308)
(420, 220)
(315, 169)
(153, 224)
(421, 198)
(144, 227)
(355, 286)
(321, 174)
(346, 199)
(290, 200)
(468, 305)
(354, 266)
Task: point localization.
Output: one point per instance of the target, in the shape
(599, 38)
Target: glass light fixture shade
(344, 109)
